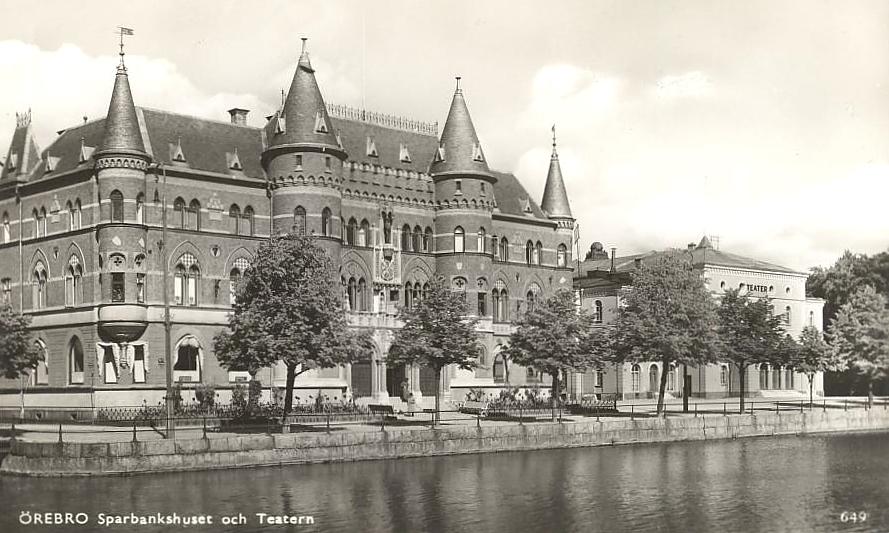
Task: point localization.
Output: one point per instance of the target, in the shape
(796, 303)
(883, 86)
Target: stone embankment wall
(76, 459)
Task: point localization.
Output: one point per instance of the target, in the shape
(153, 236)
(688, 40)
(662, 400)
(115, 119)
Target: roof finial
(304, 39)
(458, 83)
(554, 137)
(123, 31)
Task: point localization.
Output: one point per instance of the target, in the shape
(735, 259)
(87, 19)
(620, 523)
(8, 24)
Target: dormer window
(440, 154)
(477, 153)
(280, 124)
(527, 206)
(51, 163)
(86, 152)
(176, 153)
(339, 140)
(234, 162)
(403, 154)
(13, 161)
(372, 148)
(320, 124)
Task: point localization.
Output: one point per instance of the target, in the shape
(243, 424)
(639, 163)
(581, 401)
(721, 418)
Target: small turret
(555, 196)
(459, 151)
(23, 154)
(122, 136)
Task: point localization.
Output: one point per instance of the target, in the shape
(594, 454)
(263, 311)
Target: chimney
(691, 246)
(613, 251)
(239, 116)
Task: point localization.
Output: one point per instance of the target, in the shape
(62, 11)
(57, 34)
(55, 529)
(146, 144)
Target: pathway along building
(598, 283)
(388, 198)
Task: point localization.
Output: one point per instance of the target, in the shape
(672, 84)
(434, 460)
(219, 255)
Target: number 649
(847, 516)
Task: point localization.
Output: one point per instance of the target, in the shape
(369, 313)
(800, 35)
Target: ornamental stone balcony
(122, 322)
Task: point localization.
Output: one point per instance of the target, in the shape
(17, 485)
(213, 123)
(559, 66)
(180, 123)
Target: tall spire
(305, 119)
(555, 196)
(122, 135)
(459, 151)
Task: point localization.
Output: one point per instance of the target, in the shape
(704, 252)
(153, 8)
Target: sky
(762, 122)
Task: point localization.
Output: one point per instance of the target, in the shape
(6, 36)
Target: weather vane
(123, 31)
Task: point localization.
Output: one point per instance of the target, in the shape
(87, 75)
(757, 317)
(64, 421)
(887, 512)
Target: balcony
(122, 322)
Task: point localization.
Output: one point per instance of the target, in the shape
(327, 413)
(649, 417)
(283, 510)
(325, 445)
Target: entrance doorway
(654, 382)
(361, 380)
(395, 377)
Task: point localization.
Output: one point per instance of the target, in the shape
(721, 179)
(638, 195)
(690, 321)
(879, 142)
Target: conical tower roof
(459, 151)
(122, 135)
(555, 196)
(306, 121)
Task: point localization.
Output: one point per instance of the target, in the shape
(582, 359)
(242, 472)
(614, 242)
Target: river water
(799, 484)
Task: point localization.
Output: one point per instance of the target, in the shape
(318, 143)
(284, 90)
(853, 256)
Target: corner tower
(304, 162)
(555, 205)
(464, 199)
(121, 163)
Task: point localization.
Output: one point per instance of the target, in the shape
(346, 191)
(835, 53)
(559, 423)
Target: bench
(382, 410)
(475, 408)
(594, 404)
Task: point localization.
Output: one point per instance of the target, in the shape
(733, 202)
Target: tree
(667, 315)
(437, 332)
(860, 334)
(750, 333)
(555, 337)
(18, 353)
(289, 307)
(814, 355)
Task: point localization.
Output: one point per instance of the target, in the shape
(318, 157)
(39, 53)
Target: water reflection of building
(390, 199)
(601, 277)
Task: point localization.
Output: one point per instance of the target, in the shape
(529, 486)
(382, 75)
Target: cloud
(566, 93)
(689, 85)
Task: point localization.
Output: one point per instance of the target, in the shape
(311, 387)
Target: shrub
(205, 394)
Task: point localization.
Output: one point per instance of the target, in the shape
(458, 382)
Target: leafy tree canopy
(18, 353)
(860, 333)
(289, 307)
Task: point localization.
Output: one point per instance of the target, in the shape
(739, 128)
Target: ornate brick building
(82, 242)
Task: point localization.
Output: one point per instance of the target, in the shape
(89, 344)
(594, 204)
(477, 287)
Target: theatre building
(393, 200)
(598, 283)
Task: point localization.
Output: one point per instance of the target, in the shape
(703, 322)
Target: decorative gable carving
(233, 161)
(372, 148)
(13, 161)
(51, 163)
(440, 154)
(403, 154)
(280, 124)
(176, 153)
(214, 207)
(477, 153)
(320, 123)
(86, 152)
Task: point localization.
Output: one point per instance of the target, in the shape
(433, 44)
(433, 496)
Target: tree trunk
(870, 392)
(811, 386)
(556, 391)
(435, 415)
(663, 387)
(288, 390)
(505, 370)
(742, 375)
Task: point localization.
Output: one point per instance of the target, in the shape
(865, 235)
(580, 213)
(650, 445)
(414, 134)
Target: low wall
(81, 459)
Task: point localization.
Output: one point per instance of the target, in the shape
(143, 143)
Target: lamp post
(168, 361)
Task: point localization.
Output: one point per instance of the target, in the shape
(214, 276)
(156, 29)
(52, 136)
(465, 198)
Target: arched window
(187, 364)
(788, 379)
(179, 216)
(109, 363)
(427, 239)
(634, 378)
(194, 215)
(75, 361)
(116, 198)
(406, 238)
(36, 216)
(482, 240)
(78, 221)
(235, 276)
(499, 368)
(787, 315)
(597, 313)
(299, 220)
(562, 256)
(362, 295)
(654, 384)
(425, 291)
(458, 239)
(763, 376)
(812, 319)
(538, 253)
(530, 252)
(776, 378)
(352, 292)
(42, 225)
(364, 233)
(504, 249)
(417, 238)
(326, 222)
(352, 232)
(408, 296)
(723, 375)
(247, 222)
(186, 280)
(6, 233)
(532, 297)
(234, 219)
(40, 373)
(671, 378)
(38, 286)
(140, 209)
(74, 282)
